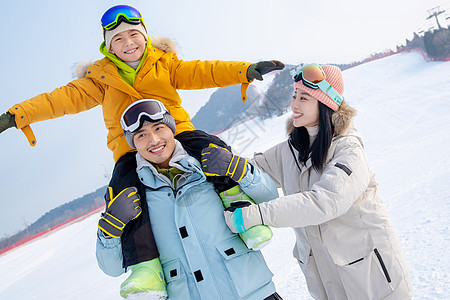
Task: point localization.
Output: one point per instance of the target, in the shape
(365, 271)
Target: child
(134, 69)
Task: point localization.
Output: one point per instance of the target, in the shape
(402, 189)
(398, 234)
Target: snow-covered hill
(404, 118)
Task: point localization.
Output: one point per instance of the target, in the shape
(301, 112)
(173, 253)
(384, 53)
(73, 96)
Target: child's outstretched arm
(77, 96)
(198, 74)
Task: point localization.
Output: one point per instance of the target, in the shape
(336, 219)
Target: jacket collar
(126, 72)
(178, 154)
(350, 131)
(180, 160)
(155, 49)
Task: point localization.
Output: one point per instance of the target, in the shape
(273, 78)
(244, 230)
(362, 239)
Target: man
(200, 257)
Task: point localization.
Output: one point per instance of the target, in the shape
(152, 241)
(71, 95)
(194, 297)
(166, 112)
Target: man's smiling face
(155, 142)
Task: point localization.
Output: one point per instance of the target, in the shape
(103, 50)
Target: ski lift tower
(435, 12)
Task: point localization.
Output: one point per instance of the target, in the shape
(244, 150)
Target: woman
(345, 242)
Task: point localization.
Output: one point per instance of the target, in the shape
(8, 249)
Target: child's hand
(6, 121)
(255, 71)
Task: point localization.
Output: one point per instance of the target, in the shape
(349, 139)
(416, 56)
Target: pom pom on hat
(334, 78)
(123, 26)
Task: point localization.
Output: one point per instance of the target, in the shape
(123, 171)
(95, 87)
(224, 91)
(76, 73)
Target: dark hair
(299, 138)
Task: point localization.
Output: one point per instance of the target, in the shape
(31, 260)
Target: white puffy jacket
(345, 242)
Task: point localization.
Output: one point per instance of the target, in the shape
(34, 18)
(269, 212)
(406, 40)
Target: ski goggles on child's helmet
(313, 76)
(146, 108)
(116, 14)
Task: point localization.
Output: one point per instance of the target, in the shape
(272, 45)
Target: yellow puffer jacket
(161, 74)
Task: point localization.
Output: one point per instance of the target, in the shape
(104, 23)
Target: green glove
(7, 120)
(218, 161)
(119, 211)
(256, 71)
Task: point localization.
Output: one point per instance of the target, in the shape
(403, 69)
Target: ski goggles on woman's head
(113, 16)
(313, 76)
(148, 108)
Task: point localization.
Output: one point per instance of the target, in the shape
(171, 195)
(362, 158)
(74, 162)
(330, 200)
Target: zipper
(354, 262)
(386, 274)
(180, 187)
(293, 154)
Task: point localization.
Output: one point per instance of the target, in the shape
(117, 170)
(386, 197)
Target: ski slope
(403, 114)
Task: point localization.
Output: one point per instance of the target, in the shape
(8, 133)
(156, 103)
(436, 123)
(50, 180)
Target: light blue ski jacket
(200, 256)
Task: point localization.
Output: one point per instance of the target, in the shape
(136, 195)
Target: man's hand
(242, 215)
(7, 120)
(256, 71)
(119, 211)
(218, 161)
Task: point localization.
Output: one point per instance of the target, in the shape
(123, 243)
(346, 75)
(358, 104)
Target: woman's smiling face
(305, 109)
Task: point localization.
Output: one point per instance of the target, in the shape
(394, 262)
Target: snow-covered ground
(404, 117)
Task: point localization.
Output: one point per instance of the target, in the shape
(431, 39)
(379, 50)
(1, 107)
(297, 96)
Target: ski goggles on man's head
(313, 76)
(146, 108)
(116, 14)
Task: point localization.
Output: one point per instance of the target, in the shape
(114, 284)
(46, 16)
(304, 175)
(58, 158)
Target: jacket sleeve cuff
(248, 177)
(20, 117)
(242, 72)
(108, 242)
(258, 185)
(252, 216)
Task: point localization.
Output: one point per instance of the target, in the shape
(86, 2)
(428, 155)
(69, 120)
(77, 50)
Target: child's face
(128, 45)
(155, 143)
(306, 109)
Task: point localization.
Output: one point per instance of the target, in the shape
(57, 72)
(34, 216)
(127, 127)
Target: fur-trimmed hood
(159, 42)
(341, 119)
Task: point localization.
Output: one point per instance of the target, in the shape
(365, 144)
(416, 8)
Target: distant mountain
(58, 215)
(225, 107)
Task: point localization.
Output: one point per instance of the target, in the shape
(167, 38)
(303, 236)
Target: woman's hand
(242, 215)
